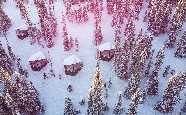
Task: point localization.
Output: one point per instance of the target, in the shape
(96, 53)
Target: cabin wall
(38, 64)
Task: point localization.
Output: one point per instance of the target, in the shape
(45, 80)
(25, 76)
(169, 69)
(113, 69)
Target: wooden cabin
(38, 61)
(22, 33)
(106, 51)
(72, 65)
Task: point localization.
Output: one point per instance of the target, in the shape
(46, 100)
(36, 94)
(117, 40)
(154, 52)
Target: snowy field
(53, 90)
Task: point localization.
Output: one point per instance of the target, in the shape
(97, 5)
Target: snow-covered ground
(53, 90)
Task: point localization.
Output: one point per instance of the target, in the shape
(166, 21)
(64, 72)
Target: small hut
(38, 61)
(106, 51)
(72, 65)
(22, 33)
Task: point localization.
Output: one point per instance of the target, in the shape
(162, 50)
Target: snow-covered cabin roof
(105, 46)
(37, 56)
(23, 27)
(73, 59)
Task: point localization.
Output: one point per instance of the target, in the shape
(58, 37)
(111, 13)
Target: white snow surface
(105, 46)
(73, 59)
(37, 56)
(23, 27)
(53, 90)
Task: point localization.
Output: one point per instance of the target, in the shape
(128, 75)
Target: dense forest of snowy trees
(135, 62)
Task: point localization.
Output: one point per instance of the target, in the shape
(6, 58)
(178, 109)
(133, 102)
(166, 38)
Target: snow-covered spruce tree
(13, 105)
(77, 16)
(11, 53)
(129, 35)
(110, 6)
(135, 77)
(4, 76)
(158, 16)
(159, 59)
(69, 88)
(5, 61)
(5, 22)
(141, 42)
(130, 28)
(109, 83)
(10, 104)
(166, 71)
(180, 51)
(171, 40)
(140, 54)
(25, 95)
(133, 84)
(76, 44)
(121, 56)
(67, 42)
(51, 6)
(152, 88)
(69, 107)
(138, 4)
(96, 100)
(134, 102)
(98, 35)
(122, 8)
(48, 23)
(4, 109)
(149, 64)
(95, 5)
(106, 90)
(179, 16)
(153, 83)
(118, 109)
(140, 36)
(23, 10)
(171, 94)
(121, 60)
(123, 52)
(176, 24)
(51, 72)
(116, 20)
(20, 68)
(118, 37)
(16, 66)
(82, 102)
(65, 35)
(120, 12)
(142, 49)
